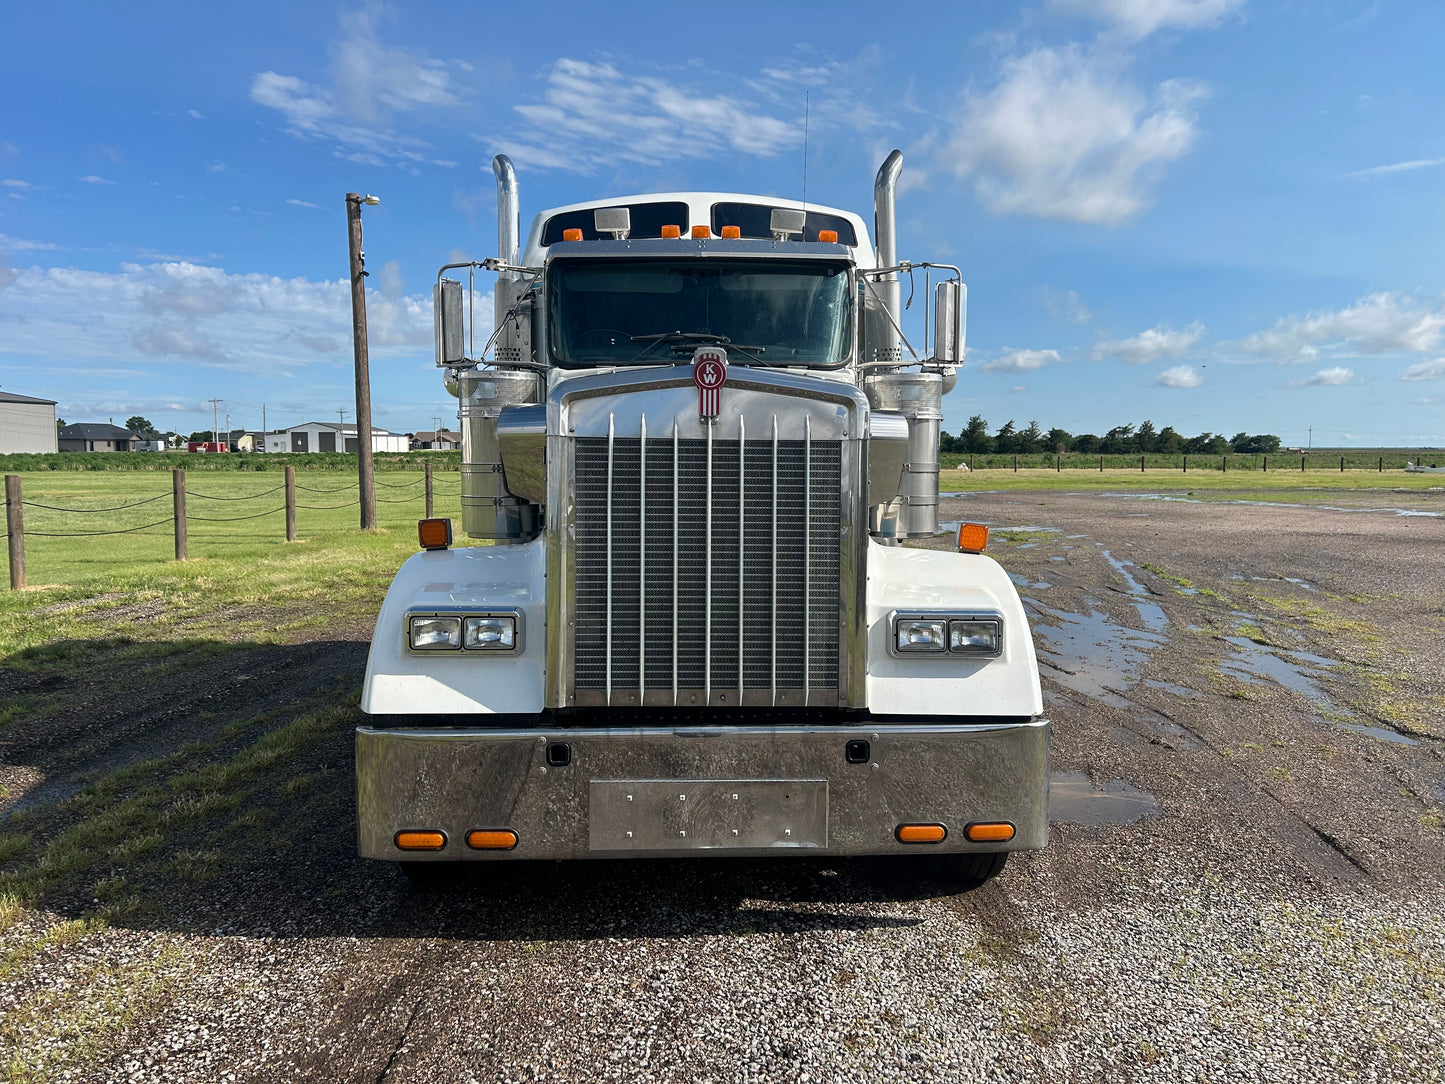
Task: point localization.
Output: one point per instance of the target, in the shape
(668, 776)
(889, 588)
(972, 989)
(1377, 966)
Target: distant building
(96, 437)
(441, 440)
(26, 424)
(331, 437)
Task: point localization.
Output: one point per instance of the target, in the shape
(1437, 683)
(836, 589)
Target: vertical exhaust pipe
(509, 210)
(885, 232)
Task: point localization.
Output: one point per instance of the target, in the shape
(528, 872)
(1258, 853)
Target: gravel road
(1245, 880)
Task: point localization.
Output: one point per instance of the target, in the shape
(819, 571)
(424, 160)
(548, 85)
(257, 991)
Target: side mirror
(950, 307)
(447, 322)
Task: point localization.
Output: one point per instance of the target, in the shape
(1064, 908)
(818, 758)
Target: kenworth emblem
(709, 373)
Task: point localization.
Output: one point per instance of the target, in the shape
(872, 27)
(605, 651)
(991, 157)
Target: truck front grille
(707, 571)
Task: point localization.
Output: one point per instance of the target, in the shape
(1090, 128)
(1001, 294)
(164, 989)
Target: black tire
(431, 874)
(963, 872)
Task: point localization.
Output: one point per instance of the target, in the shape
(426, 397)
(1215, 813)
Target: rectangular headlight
(435, 633)
(490, 634)
(975, 636)
(921, 634)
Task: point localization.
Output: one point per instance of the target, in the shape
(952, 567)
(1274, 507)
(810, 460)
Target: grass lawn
(1242, 485)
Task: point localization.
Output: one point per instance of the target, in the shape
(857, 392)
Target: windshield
(650, 312)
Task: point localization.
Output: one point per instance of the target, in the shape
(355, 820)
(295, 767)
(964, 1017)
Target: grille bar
(730, 596)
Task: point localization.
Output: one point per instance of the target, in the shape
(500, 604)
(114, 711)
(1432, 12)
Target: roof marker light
(828, 237)
(701, 233)
(671, 233)
(732, 233)
(572, 235)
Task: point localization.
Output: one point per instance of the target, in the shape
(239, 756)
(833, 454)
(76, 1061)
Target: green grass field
(1241, 485)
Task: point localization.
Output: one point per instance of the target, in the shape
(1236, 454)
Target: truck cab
(693, 447)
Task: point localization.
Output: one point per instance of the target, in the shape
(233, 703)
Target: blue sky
(1215, 214)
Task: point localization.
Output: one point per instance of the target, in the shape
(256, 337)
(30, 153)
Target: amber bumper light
(492, 839)
(922, 833)
(421, 840)
(990, 833)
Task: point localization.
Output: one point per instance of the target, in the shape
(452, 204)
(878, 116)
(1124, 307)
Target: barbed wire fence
(180, 516)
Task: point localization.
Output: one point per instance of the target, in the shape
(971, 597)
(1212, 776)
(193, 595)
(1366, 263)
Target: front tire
(427, 875)
(965, 871)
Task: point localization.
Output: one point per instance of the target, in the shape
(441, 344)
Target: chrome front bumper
(760, 790)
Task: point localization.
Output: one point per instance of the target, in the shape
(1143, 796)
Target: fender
(918, 579)
(399, 682)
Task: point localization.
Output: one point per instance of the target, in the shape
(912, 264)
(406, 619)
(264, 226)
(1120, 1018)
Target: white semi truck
(692, 448)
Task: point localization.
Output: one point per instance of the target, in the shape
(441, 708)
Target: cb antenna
(807, 102)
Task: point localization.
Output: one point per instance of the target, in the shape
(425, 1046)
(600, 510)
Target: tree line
(1142, 439)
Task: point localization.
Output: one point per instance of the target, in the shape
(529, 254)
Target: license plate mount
(707, 814)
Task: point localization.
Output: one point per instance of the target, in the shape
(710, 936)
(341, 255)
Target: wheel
(431, 874)
(963, 872)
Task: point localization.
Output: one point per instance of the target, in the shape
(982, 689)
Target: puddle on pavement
(1024, 581)
(1090, 654)
(1073, 799)
(1272, 504)
(1299, 671)
(1288, 579)
(1152, 615)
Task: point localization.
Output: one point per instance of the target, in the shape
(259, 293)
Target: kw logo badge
(709, 373)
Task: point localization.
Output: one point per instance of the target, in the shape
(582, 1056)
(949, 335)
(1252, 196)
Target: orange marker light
(421, 841)
(972, 538)
(1000, 832)
(921, 833)
(701, 233)
(571, 235)
(482, 839)
(828, 236)
(671, 232)
(732, 233)
(434, 534)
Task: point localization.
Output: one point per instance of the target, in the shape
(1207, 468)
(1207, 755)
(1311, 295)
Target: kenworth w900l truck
(692, 447)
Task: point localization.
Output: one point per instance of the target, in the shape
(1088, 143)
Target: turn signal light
(972, 538)
(829, 237)
(701, 233)
(572, 235)
(434, 534)
(1000, 832)
(671, 232)
(732, 233)
(421, 841)
(921, 833)
(483, 839)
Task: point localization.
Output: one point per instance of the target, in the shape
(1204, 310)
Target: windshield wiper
(673, 337)
(745, 351)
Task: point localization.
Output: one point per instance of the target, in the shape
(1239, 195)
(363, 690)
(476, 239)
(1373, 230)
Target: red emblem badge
(709, 373)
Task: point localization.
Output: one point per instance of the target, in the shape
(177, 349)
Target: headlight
(975, 636)
(920, 634)
(490, 634)
(435, 633)
(958, 635)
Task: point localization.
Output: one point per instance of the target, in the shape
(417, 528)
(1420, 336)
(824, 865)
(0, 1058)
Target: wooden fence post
(1382, 464)
(178, 501)
(1301, 463)
(1101, 464)
(1266, 464)
(428, 490)
(15, 526)
(290, 504)
(1342, 464)
(1058, 463)
(1186, 464)
(1224, 464)
(1141, 464)
(970, 463)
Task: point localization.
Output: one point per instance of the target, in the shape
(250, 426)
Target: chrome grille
(706, 570)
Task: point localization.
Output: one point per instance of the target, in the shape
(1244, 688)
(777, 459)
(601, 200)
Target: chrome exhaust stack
(887, 348)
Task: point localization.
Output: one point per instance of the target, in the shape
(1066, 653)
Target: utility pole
(341, 418)
(1311, 445)
(263, 426)
(367, 485)
(215, 421)
(228, 430)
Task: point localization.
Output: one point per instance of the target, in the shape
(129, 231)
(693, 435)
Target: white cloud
(303, 203)
(593, 115)
(1021, 361)
(216, 167)
(371, 84)
(389, 280)
(1152, 345)
(1180, 376)
(91, 178)
(1326, 377)
(1017, 389)
(16, 244)
(1065, 134)
(1383, 323)
(1138, 19)
(196, 314)
(1397, 167)
(197, 114)
(11, 182)
(1425, 370)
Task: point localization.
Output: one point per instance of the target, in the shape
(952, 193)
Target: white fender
(399, 682)
(916, 579)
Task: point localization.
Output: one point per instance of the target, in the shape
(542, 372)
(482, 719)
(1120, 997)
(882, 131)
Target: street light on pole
(367, 484)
